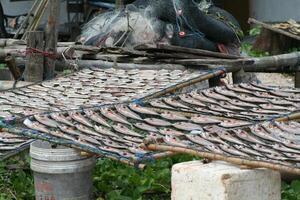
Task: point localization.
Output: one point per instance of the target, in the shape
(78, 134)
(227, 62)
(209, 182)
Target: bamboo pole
(11, 63)
(213, 156)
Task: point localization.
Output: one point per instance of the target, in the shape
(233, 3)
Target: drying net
(188, 23)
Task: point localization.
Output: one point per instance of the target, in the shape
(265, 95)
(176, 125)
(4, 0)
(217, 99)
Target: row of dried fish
(88, 87)
(248, 102)
(121, 128)
(271, 141)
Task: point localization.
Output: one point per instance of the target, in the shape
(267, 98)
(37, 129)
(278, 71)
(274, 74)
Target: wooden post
(51, 38)
(35, 61)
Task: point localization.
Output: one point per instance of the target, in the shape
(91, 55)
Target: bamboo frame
(233, 160)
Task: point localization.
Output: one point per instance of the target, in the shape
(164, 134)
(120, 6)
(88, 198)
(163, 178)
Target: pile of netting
(186, 23)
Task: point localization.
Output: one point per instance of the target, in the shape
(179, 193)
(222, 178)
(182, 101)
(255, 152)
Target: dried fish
(219, 109)
(251, 87)
(232, 150)
(35, 126)
(110, 114)
(204, 120)
(228, 105)
(104, 131)
(285, 149)
(264, 149)
(142, 110)
(250, 99)
(190, 100)
(174, 103)
(247, 150)
(80, 118)
(242, 103)
(157, 122)
(186, 126)
(171, 132)
(288, 128)
(86, 130)
(145, 127)
(212, 94)
(238, 89)
(174, 141)
(291, 144)
(159, 104)
(229, 137)
(247, 137)
(113, 144)
(61, 118)
(125, 130)
(43, 119)
(223, 91)
(213, 138)
(202, 98)
(124, 110)
(274, 107)
(173, 116)
(232, 123)
(199, 140)
(96, 117)
(260, 132)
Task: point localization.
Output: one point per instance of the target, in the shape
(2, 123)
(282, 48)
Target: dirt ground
(276, 79)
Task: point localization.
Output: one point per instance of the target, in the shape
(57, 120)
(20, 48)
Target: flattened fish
(247, 137)
(229, 137)
(96, 117)
(212, 94)
(213, 138)
(142, 110)
(186, 126)
(159, 104)
(232, 150)
(126, 131)
(251, 87)
(247, 150)
(264, 149)
(283, 148)
(157, 122)
(238, 89)
(104, 131)
(43, 119)
(203, 119)
(199, 140)
(202, 98)
(223, 91)
(36, 126)
(288, 128)
(173, 116)
(133, 139)
(171, 132)
(263, 111)
(174, 103)
(86, 130)
(229, 106)
(61, 118)
(242, 104)
(219, 109)
(124, 110)
(251, 99)
(190, 100)
(260, 132)
(145, 127)
(174, 141)
(80, 118)
(232, 123)
(108, 113)
(281, 102)
(274, 107)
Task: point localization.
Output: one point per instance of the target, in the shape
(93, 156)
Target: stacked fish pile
(88, 87)
(214, 118)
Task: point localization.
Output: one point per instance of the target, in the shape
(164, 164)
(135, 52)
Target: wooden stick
(200, 52)
(51, 37)
(213, 156)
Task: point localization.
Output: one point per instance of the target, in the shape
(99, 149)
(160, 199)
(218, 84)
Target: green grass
(112, 180)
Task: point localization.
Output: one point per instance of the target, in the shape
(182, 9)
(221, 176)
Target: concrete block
(223, 181)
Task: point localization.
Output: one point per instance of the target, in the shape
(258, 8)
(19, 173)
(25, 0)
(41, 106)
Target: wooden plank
(267, 26)
(35, 61)
(51, 38)
(172, 48)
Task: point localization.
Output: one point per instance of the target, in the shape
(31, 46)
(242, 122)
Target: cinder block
(223, 181)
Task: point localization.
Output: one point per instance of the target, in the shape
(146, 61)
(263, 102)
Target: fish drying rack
(237, 122)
